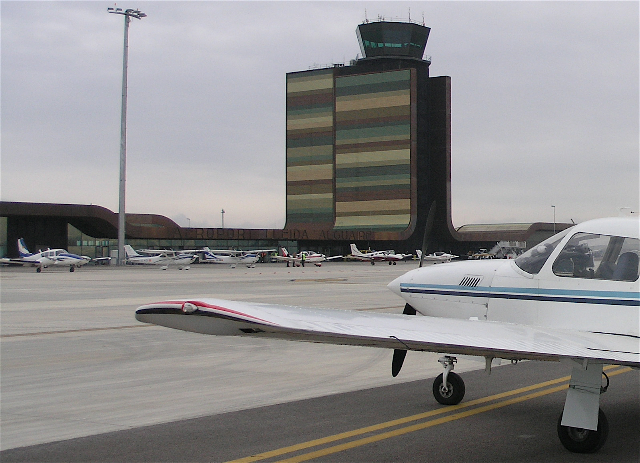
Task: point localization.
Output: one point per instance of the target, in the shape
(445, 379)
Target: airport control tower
(368, 144)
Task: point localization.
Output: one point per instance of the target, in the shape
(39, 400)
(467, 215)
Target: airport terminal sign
(274, 234)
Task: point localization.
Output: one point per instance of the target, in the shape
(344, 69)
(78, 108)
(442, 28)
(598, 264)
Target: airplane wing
(287, 258)
(260, 251)
(26, 263)
(9, 261)
(395, 331)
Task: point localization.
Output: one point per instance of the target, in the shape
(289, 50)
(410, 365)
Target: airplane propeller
(400, 354)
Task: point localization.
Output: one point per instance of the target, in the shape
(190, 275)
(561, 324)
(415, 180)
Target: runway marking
(418, 426)
(83, 330)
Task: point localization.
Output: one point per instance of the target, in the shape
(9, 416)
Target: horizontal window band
(392, 99)
(372, 113)
(310, 101)
(373, 195)
(372, 171)
(311, 161)
(309, 141)
(373, 88)
(387, 76)
(379, 123)
(373, 146)
(374, 206)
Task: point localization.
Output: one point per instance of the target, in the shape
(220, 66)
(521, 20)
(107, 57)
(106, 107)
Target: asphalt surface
(82, 381)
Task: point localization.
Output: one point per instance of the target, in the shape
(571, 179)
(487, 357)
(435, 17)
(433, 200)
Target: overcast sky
(544, 103)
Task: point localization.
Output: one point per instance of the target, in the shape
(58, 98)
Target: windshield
(533, 260)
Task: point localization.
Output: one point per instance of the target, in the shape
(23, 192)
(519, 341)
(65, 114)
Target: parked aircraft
(573, 298)
(377, 256)
(436, 257)
(44, 259)
(158, 257)
(232, 257)
(310, 257)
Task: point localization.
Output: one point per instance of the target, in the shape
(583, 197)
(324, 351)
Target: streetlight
(554, 219)
(128, 14)
(222, 218)
(189, 222)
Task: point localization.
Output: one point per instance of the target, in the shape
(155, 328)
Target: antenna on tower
(423, 18)
(409, 14)
(365, 16)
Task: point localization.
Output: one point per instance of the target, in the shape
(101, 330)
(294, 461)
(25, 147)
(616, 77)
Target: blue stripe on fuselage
(528, 294)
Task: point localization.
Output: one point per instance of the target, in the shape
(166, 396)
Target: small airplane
(164, 258)
(436, 257)
(574, 298)
(481, 254)
(232, 257)
(377, 256)
(44, 259)
(299, 259)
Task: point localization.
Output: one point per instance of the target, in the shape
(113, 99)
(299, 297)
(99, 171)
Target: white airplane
(232, 257)
(437, 257)
(573, 298)
(44, 259)
(163, 258)
(377, 256)
(309, 257)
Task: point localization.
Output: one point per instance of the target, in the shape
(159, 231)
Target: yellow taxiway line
(450, 413)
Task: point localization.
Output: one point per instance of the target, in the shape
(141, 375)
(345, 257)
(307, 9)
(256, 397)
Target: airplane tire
(579, 440)
(38, 269)
(72, 269)
(455, 389)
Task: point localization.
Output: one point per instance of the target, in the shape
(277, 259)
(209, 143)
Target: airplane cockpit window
(533, 260)
(600, 257)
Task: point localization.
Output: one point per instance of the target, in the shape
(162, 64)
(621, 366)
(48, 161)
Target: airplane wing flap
(463, 337)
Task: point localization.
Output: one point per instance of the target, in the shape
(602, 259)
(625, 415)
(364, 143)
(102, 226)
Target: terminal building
(368, 152)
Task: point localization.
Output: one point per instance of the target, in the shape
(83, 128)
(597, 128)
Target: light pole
(222, 218)
(128, 14)
(554, 219)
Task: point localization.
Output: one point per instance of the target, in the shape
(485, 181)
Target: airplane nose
(394, 286)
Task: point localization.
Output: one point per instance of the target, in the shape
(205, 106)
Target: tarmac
(82, 380)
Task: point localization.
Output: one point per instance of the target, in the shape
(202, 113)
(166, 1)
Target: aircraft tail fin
(354, 250)
(419, 253)
(22, 248)
(284, 252)
(130, 252)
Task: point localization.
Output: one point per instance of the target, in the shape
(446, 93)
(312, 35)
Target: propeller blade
(427, 230)
(398, 360)
(400, 354)
(408, 310)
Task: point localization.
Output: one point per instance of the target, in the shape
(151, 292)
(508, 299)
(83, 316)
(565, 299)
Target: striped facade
(373, 131)
(310, 139)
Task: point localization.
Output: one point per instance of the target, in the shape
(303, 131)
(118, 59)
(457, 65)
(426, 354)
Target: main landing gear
(582, 426)
(448, 387)
(580, 440)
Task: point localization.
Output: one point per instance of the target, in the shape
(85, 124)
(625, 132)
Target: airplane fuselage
(43, 259)
(565, 292)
